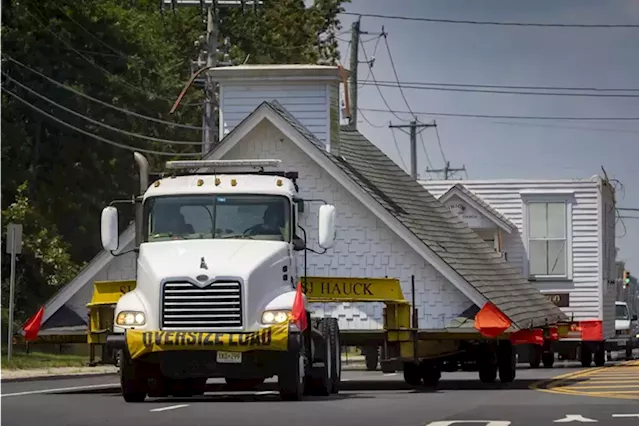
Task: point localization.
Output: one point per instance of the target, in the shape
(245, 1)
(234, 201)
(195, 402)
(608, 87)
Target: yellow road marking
(593, 379)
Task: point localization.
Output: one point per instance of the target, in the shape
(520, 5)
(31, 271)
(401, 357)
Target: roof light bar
(196, 164)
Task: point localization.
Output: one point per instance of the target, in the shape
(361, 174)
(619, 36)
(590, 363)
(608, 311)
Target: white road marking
(482, 422)
(265, 393)
(575, 418)
(170, 407)
(344, 380)
(389, 374)
(72, 388)
(626, 415)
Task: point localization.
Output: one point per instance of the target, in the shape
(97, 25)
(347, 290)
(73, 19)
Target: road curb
(55, 377)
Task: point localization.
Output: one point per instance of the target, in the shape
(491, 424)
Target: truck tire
(132, 380)
(371, 358)
(628, 351)
(487, 363)
(548, 359)
(291, 377)
(506, 361)
(585, 355)
(412, 374)
(320, 379)
(599, 355)
(336, 354)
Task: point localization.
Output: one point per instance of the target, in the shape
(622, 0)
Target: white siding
(587, 286)
(608, 262)
(365, 247)
(307, 102)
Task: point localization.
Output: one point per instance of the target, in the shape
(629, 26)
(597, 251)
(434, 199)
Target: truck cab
(625, 328)
(216, 280)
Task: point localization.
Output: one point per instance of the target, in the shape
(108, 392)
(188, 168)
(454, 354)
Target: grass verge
(38, 360)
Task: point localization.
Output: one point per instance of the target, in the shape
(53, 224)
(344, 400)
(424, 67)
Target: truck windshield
(622, 312)
(259, 217)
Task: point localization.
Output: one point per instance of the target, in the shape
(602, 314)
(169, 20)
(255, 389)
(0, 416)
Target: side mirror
(109, 228)
(634, 318)
(298, 244)
(326, 226)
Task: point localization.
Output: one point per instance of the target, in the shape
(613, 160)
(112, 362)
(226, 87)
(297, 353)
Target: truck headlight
(131, 318)
(275, 317)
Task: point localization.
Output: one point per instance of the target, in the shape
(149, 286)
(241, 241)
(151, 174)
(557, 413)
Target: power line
(500, 92)
(440, 144)
(395, 72)
(395, 142)
(424, 149)
(498, 23)
(593, 129)
(96, 122)
(501, 86)
(505, 117)
(94, 136)
(369, 122)
(631, 209)
(106, 104)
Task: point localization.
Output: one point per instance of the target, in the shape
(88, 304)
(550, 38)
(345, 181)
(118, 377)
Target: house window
(548, 242)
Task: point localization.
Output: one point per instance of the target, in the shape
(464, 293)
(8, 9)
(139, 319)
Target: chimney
(310, 93)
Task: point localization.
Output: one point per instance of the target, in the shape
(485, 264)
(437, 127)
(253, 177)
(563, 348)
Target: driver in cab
(273, 223)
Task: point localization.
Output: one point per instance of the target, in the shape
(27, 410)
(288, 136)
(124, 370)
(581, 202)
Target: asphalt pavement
(367, 398)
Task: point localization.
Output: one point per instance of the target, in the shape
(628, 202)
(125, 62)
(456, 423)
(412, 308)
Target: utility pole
(353, 64)
(208, 134)
(413, 133)
(447, 170)
(209, 43)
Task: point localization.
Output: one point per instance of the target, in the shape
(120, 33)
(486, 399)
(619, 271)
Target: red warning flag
(32, 326)
(490, 321)
(527, 336)
(298, 311)
(591, 330)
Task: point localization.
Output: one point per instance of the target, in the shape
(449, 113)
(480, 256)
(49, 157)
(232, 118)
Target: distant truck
(625, 329)
(216, 301)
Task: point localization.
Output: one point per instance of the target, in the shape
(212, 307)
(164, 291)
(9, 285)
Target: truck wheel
(487, 364)
(430, 373)
(599, 355)
(628, 351)
(320, 380)
(411, 372)
(132, 381)
(548, 359)
(585, 355)
(371, 358)
(336, 358)
(535, 356)
(506, 362)
(291, 378)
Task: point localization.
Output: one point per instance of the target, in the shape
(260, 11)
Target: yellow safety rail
(102, 305)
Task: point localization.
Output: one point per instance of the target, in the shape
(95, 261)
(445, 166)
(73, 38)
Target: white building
(388, 224)
(560, 234)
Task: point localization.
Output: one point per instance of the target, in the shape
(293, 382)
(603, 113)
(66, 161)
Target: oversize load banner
(274, 338)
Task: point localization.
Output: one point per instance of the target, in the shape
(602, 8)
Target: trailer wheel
(548, 359)
(430, 373)
(585, 355)
(132, 380)
(371, 357)
(506, 361)
(535, 356)
(599, 355)
(411, 372)
(291, 378)
(336, 354)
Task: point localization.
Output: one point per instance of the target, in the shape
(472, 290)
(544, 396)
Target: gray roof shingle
(442, 231)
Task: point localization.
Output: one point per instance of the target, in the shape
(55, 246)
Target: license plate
(229, 357)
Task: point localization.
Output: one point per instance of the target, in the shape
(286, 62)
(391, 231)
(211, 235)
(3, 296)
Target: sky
(516, 56)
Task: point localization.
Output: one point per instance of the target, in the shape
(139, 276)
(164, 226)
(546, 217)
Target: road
(367, 398)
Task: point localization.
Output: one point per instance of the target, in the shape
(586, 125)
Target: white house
(560, 234)
(388, 224)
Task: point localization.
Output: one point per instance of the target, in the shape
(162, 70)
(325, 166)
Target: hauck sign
(274, 338)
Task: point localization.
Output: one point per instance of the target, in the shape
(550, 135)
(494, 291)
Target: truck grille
(185, 306)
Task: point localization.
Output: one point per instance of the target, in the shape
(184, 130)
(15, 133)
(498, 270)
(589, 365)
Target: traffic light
(625, 278)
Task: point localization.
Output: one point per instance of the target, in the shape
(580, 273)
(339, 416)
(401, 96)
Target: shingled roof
(442, 231)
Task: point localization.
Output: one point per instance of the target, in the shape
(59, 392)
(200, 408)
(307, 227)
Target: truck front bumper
(196, 354)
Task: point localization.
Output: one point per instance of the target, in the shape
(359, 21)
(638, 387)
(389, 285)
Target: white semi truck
(216, 301)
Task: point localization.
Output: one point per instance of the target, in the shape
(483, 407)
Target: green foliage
(54, 180)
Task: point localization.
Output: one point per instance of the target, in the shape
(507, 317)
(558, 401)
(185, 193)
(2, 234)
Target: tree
(127, 53)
